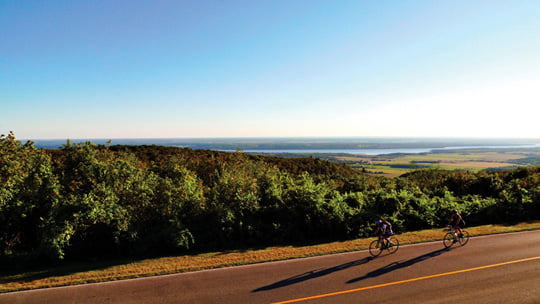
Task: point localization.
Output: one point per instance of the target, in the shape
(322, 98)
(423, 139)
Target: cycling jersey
(386, 229)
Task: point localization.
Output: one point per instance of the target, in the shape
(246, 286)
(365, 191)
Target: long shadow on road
(398, 265)
(312, 275)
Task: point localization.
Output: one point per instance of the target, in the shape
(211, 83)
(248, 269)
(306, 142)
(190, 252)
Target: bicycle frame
(377, 246)
(462, 238)
(383, 241)
(452, 229)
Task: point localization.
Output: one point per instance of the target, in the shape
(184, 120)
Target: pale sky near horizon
(140, 69)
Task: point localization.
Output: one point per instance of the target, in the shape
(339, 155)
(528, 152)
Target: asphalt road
(492, 269)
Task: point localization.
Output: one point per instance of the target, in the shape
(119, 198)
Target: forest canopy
(88, 200)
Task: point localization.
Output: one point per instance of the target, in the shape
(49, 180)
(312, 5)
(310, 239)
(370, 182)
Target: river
(378, 151)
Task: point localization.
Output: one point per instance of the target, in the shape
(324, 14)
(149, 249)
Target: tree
(28, 194)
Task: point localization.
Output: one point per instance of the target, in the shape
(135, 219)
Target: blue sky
(139, 69)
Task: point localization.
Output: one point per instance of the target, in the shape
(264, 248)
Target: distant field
(393, 165)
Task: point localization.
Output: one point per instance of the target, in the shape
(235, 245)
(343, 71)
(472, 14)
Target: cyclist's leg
(458, 231)
(382, 241)
(455, 233)
(388, 240)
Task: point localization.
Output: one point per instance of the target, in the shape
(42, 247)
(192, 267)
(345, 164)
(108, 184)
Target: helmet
(454, 211)
(378, 222)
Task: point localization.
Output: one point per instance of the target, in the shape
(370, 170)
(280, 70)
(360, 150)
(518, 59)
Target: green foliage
(86, 200)
(29, 192)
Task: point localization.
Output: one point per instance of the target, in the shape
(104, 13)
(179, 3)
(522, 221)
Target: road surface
(491, 269)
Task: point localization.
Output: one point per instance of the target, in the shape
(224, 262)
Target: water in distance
(366, 146)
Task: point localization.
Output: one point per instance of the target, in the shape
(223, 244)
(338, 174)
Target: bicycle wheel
(375, 248)
(463, 239)
(449, 240)
(394, 246)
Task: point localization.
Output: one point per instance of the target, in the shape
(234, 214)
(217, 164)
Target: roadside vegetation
(84, 203)
(111, 270)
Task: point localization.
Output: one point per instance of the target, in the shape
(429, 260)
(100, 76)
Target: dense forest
(85, 200)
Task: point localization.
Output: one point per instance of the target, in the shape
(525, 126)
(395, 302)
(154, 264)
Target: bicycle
(451, 237)
(376, 247)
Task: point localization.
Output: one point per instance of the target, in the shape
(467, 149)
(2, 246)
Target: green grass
(72, 274)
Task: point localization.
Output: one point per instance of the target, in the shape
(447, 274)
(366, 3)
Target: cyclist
(384, 230)
(455, 222)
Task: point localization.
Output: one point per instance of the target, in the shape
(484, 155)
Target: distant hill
(232, 144)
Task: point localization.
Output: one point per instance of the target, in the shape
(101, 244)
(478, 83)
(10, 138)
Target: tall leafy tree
(28, 193)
